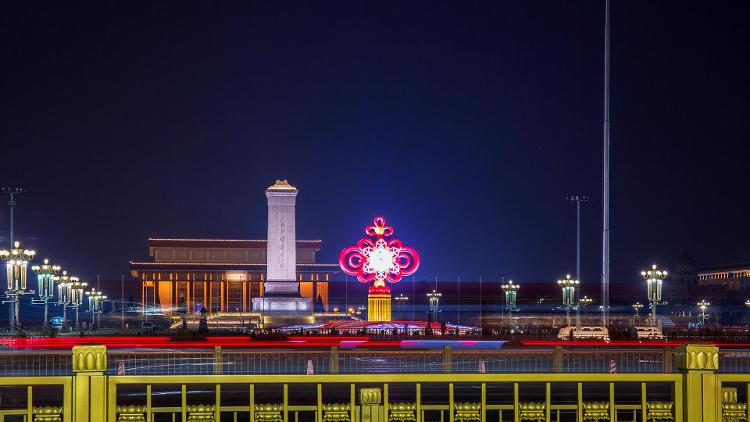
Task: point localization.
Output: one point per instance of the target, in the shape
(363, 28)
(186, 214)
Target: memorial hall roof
(222, 243)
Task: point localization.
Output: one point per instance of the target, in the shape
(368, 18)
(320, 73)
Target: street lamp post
(96, 298)
(401, 302)
(16, 262)
(703, 306)
(46, 276)
(434, 298)
(63, 297)
(76, 296)
(510, 293)
(583, 303)
(654, 279)
(637, 306)
(568, 287)
(747, 304)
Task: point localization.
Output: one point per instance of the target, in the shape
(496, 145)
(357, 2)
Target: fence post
(447, 359)
(698, 364)
(370, 408)
(90, 383)
(218, 361)
(558, 359)
(668, 366)
(334, 358)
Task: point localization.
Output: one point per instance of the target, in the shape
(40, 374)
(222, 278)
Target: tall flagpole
(605, 196)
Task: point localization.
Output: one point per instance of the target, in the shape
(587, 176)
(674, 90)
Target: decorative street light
(637, 306)
(63, 297)
(584, 301)
(76, 296)
(16, 262)
(654, 279)
(434, 297)
(401, 301)
(747, 304)
(510, 293)
(568, 286)
(703, 306)
(96, 298)
(46, 276)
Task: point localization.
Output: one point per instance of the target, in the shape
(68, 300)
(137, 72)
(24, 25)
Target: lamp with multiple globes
(434, 299)
(637, 306)
(96, 299)
(76, 287)
(585, 301)
(46, 276)
(654, 279)
(63, 296)
(703, 306)
(401, 301)
(510, 295)
(16, 263)
(568, 287)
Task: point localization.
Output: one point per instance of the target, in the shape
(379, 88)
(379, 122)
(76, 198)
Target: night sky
(466, 125)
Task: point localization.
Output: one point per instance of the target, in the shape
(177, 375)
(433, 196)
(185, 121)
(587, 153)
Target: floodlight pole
(578, 199)
(12, 193)
(480, 305)
(459, 300)
(122, 303)
(605, 196)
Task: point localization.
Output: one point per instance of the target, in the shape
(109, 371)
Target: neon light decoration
(379, 258)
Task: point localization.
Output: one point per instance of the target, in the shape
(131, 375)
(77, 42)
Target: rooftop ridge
(197, 239)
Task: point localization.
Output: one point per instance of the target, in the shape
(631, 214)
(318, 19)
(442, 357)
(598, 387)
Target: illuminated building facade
(224, 275)
(736, 277)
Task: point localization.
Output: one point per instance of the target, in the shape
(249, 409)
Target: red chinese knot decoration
(379, 258)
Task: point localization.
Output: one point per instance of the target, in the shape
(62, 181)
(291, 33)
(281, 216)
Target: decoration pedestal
(379, 307)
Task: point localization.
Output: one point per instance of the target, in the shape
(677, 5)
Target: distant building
(734, 277)
(221, 274)
(681, 281)
(722, 285)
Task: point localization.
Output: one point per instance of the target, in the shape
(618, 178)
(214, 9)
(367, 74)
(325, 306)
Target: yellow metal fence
(695, 393)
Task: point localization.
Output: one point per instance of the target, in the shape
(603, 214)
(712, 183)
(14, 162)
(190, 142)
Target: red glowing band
(378, 259)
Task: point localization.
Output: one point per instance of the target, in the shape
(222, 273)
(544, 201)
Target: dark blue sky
(466, 125)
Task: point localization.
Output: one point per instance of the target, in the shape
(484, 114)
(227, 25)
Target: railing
(336, 361)
(695, 393)
(248, 362)
(31, 362)
(734, 361)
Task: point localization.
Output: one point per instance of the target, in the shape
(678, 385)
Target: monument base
(379, 307)
(283, 310)
(282, 304)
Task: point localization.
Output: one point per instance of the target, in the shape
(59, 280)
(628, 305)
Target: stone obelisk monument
(281, 302)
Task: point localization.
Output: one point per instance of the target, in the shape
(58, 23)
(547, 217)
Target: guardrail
(695, 393)
(249, 362)
(337, 361)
